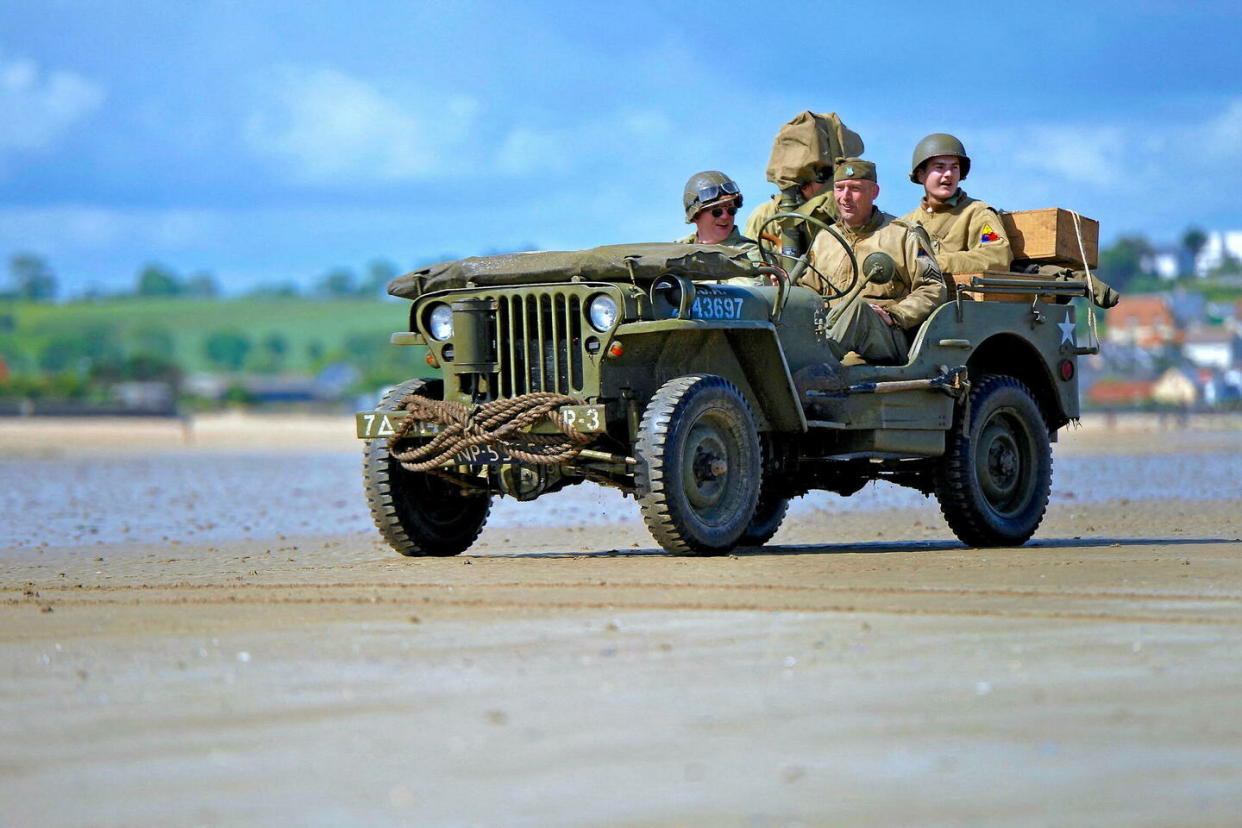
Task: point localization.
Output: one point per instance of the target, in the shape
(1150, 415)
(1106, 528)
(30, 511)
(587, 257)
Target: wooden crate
(1048, 236)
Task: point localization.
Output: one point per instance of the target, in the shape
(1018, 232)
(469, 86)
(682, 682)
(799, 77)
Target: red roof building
(1142, 319)
(1120, 392)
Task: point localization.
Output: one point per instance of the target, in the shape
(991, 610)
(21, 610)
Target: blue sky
(271, 141)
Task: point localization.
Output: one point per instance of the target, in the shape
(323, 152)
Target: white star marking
(1067, 329)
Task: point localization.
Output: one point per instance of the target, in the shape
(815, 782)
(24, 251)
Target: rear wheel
(699, 463)
(419, 514)
(994, 480)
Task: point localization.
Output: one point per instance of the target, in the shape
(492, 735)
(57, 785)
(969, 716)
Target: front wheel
(994, 480)
(699, 465)
(418, 513)
(769, 515)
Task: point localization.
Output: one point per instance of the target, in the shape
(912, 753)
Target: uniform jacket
(967, 234)
(735, 239)
(822, 207)
(754, 222)
(917, 287)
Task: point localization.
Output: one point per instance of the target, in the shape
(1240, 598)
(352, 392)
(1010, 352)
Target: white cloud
(618, 141)
(38, 107)
(1222, 136)
(326, 126)
(89, 228)
(1096, 156)
(526, 150)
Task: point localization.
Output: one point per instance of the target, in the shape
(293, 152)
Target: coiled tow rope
(498, 425)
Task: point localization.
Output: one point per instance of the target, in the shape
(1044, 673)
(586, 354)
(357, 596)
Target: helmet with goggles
(705, 188)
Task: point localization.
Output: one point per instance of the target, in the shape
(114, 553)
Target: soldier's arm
(986, 246)
(927, 287)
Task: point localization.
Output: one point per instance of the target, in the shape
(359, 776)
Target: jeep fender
(745, 352)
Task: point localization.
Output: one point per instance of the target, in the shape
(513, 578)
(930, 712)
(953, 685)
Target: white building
(1219, 245)
(1164, 262)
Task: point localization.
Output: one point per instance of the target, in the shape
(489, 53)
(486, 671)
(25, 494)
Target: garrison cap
(850, 169)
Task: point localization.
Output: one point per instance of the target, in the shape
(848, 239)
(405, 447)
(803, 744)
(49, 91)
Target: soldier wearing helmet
(884, 313)
(711, 200)
(967, 234)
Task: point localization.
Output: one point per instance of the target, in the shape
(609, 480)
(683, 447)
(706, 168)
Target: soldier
(800, 165)
(711, 200)
(967, 235)
(879, 321)
(821, 179)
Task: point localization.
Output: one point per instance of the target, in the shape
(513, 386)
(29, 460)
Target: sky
(270, 142)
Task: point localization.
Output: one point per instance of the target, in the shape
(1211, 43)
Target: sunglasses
(720, 211)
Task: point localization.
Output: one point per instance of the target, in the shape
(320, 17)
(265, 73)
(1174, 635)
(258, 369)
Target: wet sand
(864, 668)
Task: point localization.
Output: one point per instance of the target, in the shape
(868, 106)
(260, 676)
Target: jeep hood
(611, 263)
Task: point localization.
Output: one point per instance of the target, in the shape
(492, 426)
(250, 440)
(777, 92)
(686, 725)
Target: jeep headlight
(440, 322)
(602, 312)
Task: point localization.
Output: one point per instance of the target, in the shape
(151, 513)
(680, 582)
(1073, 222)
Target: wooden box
(1049, 236)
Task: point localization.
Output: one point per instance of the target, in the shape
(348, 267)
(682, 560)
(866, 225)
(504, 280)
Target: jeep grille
(539, 342)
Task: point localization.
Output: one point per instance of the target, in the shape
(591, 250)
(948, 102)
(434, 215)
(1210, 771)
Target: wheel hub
(706, 479)
(999, 463)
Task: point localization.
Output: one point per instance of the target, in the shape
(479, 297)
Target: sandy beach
(179, 648)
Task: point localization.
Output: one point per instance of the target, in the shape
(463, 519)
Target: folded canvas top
(611, 263)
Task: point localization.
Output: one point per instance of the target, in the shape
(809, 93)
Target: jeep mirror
(879, 268)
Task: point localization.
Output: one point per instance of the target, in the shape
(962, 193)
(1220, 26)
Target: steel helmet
(938, 143)
(705, 187)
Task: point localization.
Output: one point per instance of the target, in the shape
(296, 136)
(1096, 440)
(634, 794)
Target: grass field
(295, 333)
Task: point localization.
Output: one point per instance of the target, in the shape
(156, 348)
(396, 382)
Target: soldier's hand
(885, 315)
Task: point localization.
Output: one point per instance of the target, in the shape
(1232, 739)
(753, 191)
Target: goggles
(715, 191)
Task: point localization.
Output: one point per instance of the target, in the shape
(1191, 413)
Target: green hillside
(286, 334)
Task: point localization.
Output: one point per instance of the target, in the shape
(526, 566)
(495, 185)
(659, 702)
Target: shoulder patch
(988, 235)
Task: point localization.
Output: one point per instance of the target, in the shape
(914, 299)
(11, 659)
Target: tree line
(32, 279)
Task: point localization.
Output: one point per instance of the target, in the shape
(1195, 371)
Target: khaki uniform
(967, 234)
(735, 239)
(822, 207)
(754, 223)
(917, 287)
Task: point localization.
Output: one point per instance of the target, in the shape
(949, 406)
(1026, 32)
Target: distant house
(1168, 262)
(1175, 388)
(1221, 245)
(1142, 319)
(1187, 307)
(1211, 346)
(145, 397)
(1117, 393)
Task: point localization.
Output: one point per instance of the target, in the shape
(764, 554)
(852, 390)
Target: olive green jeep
(701, 384)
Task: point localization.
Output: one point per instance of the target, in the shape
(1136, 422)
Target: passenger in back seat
(967, 234)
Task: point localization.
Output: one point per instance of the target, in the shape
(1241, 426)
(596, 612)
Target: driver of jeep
(711, 200)
(882, 314)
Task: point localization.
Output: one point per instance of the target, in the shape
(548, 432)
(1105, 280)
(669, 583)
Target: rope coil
(498, 424)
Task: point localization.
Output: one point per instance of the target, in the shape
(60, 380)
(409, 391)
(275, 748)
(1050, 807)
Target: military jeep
(701, 384)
